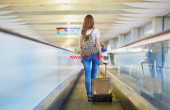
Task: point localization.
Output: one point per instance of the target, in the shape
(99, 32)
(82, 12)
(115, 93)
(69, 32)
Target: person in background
(103, 49)
(157, 52)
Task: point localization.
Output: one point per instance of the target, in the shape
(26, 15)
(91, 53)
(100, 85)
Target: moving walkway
(49, 80)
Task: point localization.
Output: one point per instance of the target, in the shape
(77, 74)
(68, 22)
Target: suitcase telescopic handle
(99, 69)
(142, 68)
(105, 68)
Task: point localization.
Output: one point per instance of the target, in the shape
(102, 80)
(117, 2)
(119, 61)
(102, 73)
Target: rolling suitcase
(150, 86)
(101, 88)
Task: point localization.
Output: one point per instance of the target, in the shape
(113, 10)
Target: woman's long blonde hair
(88, 24)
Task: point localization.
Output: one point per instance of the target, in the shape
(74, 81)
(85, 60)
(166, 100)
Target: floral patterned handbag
(88, 46)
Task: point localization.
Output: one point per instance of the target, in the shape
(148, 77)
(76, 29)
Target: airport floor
(78, 100)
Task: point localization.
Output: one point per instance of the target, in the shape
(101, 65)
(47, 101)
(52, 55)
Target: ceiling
(40, 18)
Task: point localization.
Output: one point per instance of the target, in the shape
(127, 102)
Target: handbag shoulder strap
(88, 35)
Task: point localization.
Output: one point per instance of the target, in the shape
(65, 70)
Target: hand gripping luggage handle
(99, 69)
(153, 66)
(153, 62)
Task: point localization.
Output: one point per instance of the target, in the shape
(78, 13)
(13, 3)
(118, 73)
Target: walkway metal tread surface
(78, 100)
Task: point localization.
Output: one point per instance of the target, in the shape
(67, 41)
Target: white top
(95, 34)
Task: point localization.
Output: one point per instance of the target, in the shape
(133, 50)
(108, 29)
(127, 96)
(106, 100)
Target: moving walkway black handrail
(147, 38)
(32, 39)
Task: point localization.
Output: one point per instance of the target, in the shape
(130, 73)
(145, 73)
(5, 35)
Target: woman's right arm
(100, 53)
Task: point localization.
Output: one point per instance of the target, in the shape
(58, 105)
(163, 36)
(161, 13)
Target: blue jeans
(159, 59)
(90, 73)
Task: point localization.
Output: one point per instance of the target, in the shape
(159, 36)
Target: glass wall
(167, 22)
(146, 71)
(145, 30)
(30, 71)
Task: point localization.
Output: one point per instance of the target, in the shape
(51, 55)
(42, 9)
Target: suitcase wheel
(93, 100)
(110, 100)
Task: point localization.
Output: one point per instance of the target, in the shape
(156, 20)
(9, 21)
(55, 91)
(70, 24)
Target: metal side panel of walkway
(78, 100)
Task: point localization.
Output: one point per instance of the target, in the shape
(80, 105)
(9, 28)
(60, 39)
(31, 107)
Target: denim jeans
(90, 73)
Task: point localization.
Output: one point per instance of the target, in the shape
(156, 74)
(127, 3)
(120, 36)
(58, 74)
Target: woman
(90, 51)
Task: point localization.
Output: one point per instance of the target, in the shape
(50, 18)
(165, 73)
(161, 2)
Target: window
(145, 31)
(141, 32)
(126, 38)
(108, 45)
(166, 25)
(115, 42)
